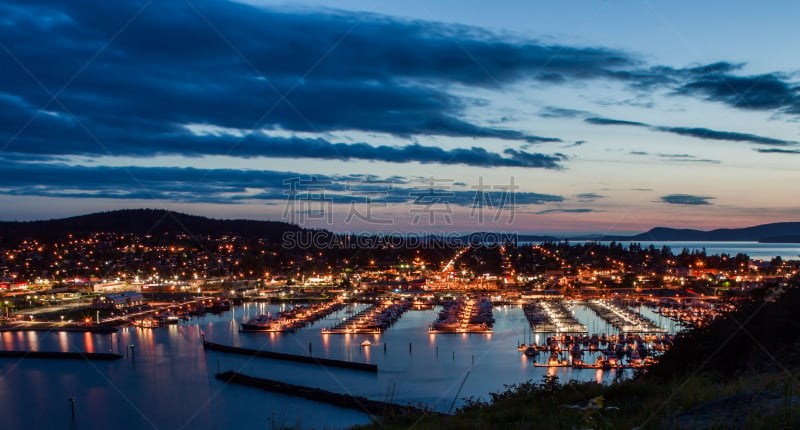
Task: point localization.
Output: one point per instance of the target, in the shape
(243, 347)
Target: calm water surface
(756, 251)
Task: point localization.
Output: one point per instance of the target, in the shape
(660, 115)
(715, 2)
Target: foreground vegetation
(739, 371)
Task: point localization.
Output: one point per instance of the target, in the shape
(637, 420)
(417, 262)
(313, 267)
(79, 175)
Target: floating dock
(291, 357)
(373, 320)
(624, 319)
(552, 317)
(464, 316)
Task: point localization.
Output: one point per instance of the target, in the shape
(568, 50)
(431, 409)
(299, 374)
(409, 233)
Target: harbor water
(166, 379)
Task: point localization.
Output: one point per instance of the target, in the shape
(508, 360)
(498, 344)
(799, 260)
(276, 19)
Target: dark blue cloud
(686, 199)
(233, 186)
(557, 112)
(770, 91)
(608, 121)
(575, 144)
(226, 64)
(588, 197)
(238, 66)
(686, 158)
(705, 133)
(778, 151)
(697, 132)
(566, 211)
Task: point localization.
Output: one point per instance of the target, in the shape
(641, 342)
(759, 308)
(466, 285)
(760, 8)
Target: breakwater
(362, 404)
(291, 357)
(59, 354)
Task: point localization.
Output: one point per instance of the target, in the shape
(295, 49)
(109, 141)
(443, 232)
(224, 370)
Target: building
(123, 300)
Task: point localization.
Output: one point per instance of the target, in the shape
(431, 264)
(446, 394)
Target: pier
(293, 319)
(290, 357)
(373, 320)
(624, 319)
(464, 316)
(552, 317)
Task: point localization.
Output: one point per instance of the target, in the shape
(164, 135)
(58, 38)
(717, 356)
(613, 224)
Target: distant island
(779, 232)
(159, 221)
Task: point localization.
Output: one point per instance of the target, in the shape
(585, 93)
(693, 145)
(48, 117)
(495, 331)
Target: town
(48, 280)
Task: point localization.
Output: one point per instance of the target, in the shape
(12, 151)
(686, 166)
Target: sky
(384, 116)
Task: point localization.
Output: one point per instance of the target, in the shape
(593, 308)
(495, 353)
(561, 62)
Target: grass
(637, 403)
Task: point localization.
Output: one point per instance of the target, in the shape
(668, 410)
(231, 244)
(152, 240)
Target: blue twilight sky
(573, 116)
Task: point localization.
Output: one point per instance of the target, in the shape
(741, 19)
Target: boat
(168, 317)
(636, 358)
(366, 342)
(259, 323)
(531, 351)
(553, 361)
(148, 322)
(522, 347)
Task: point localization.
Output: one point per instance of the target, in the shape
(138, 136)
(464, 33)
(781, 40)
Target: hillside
(141, 221)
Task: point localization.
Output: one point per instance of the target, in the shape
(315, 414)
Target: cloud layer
(232, 186)
(236, 66)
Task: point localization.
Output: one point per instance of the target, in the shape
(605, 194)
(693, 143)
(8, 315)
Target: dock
(372, 407)
(624, 319)
(464, 315)
(366, 367)
(373, 320)
(552, 317)
(59, 354)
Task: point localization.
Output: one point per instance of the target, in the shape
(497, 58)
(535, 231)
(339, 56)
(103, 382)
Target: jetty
(372, 407)
(291, 357)
(59, 354)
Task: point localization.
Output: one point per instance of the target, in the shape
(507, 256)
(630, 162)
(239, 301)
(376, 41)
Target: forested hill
(141, 221)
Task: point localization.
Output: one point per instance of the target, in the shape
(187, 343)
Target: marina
(413, 365)
(411, 362)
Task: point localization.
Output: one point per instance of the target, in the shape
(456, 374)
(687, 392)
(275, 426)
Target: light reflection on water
(166, 380)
